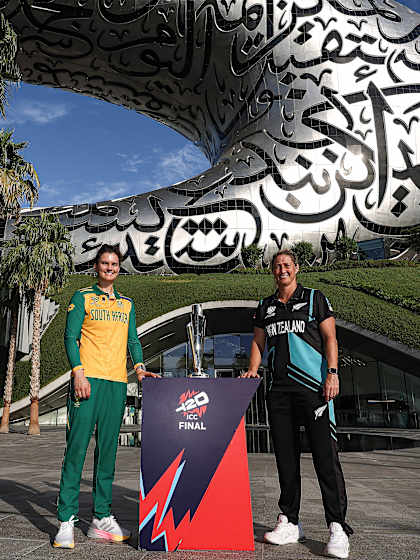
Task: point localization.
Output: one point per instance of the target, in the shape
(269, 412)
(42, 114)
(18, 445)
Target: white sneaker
(65, 536)
(338, 545)
(284, 532)
(109, 529)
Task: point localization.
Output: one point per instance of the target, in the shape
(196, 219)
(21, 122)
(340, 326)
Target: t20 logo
(195, 402)
(193, 405)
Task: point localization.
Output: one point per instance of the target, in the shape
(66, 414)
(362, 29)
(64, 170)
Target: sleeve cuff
(76, 368)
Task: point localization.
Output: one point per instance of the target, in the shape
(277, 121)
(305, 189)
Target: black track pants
(287, 411)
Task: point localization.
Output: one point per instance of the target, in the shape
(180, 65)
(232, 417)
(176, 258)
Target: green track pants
(104, 409)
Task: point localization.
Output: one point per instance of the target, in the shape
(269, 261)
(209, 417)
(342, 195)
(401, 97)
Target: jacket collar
(98, 291)
(296, 296)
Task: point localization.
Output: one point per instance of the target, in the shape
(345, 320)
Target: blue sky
(86, 150)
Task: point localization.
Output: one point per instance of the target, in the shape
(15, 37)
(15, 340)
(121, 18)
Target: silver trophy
(196, 330)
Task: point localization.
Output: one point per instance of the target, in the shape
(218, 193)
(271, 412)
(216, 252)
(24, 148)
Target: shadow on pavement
(31, 505)
(315, 547)
(259, 531)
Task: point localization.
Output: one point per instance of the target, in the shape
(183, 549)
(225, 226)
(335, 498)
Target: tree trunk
(4, 427)
(33, 429)
(8, 385)
(35, 366)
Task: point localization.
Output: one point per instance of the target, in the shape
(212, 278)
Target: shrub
(304, 252)
(252, 256)
(344, 248)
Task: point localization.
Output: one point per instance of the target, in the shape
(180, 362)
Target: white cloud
(181, 164)
(59, 193)
(149, 171)
(102, 191)
(47, 190)
(165, 169)
(131, 163)
(35, 112)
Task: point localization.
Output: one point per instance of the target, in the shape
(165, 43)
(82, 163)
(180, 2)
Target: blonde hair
(287, 253)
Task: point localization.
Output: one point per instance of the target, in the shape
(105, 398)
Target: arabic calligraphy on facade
(307, 110)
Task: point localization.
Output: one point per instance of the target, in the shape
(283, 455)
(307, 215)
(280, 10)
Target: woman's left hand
(331, 387)
(141, 374)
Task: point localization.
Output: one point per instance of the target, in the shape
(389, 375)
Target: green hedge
(337, 265)
(400, 288)
(156, 295)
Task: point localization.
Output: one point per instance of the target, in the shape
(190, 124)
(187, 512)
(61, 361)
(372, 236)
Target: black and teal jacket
(295, 347)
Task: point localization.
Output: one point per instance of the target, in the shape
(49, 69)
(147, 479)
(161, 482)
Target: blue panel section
(373, 248)
(168, 499)
(150, 515)
(302, 374)
(306, 358)
(311, 305)
(331, 412)
(162, 534)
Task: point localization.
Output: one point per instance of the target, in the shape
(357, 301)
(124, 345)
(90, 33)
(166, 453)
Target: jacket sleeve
(134, 346)
(74, 322)
(323, 308)
(258, 317)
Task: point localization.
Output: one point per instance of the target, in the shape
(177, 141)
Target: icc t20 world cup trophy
(196, 330)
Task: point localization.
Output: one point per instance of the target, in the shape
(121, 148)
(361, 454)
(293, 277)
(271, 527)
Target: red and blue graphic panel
(194, 483)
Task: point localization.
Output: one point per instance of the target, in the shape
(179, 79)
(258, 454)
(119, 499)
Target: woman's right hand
(248, 374)
(81, 385)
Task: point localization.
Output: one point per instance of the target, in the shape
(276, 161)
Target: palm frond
(39, 256)
(19, 180)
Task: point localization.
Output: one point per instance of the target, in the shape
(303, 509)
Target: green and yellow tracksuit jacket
(98, 330)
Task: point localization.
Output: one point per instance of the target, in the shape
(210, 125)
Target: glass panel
(346, 408)
(413, 394)
(394, 396)
(227, 372)
(154, 365)
(62, 416)
(226, 348)
(241, 358)
(173, 362)
(367, 391)
(245, 341)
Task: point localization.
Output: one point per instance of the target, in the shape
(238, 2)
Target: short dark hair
(108, 249)
(288, 253)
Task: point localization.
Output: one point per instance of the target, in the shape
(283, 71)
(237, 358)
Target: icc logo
(193, 405)
(270, 311)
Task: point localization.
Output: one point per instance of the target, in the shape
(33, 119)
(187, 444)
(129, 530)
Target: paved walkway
(383, 488)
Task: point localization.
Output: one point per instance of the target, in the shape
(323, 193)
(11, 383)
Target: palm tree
(18, 182)
(37, 261)
(9, 70)
(11, 302)
(18, 178)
